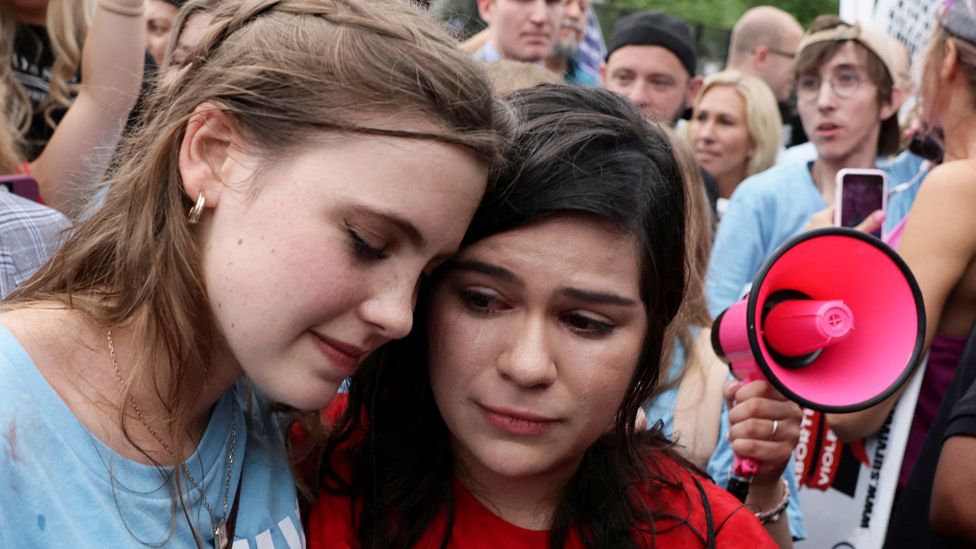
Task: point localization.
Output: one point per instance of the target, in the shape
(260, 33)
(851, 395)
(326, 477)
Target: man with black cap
(651, 59)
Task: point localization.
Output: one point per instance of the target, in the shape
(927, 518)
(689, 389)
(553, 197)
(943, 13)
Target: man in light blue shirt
(848, 104)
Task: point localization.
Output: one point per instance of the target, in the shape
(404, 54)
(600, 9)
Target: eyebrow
(598, 298)
(403, 224)
(846, 66)
(493, 271)
(501, 273)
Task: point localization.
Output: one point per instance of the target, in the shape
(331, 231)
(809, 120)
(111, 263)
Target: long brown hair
(282, 71)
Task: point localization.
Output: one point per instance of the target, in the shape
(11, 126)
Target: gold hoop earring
(197, 210)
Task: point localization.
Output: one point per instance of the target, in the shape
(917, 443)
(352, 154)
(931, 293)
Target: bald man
(763, 44)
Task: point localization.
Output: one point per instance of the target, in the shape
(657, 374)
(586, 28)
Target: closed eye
(363, 249)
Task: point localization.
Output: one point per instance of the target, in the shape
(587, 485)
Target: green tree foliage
(717, 13)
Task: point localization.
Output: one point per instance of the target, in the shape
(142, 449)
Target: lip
(706, 157)
(517, 422)
(828, 129)
(344, 356)
(537, 37)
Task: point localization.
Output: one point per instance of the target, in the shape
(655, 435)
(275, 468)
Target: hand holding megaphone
(834, 321)
(763, 425)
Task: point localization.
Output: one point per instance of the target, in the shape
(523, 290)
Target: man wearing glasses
(764, 43)
(848, 102)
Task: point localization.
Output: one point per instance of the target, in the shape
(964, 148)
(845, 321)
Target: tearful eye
(588, 326)
(481, 301)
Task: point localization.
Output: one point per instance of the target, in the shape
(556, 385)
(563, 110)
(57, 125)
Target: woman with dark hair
(507, 418)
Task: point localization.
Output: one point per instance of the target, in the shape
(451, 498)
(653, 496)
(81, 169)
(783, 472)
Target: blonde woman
(139, 366)
(735, 128)
(43, 39)
(67, 149)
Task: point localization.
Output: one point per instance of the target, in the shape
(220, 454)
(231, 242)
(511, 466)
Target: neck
(959, 131)
(729, 181)
(527, 502)
(825, 169)
(149, 393)
(30, 16)
(558, 65)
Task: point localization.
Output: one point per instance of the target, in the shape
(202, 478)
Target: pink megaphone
(834, 320)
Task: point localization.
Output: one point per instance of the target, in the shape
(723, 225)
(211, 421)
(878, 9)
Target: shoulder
(905, 163)
(956, 177)
(778, 183)
(29, 235)
(16, 211)
(692, 507)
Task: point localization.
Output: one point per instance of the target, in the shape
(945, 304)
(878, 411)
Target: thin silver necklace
(218, 526)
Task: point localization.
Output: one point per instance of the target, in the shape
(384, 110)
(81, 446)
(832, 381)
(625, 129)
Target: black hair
(577, 151)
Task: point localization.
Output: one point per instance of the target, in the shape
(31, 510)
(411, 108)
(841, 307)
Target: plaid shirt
(29, 234)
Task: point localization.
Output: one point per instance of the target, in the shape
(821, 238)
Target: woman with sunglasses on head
(507, 418)
(145, 366)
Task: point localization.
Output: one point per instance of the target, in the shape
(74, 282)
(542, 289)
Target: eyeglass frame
(780, 52)
(859, 73)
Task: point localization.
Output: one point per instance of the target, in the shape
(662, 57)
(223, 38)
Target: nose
(707, 131)
(825, 95)
(527, 360)
(636, 94)
(390, 309)
(573, 11)
(539, 12)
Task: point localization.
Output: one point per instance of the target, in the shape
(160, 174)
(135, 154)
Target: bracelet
(772, 515)
(121, 9)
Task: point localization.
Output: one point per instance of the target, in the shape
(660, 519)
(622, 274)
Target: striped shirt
(29, 234)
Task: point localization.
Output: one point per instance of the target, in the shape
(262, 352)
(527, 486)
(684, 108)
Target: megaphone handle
(743, 469)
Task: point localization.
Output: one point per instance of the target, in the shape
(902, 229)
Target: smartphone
(22, 185)
(859, 193)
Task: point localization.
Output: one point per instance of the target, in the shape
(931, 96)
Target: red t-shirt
(330, 525)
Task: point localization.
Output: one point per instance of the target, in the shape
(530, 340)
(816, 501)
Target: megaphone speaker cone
(806, 344)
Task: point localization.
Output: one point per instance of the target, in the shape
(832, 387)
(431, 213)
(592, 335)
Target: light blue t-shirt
(661, 408)
(769, 208)
(60, 486)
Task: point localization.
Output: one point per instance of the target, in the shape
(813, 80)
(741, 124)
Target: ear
(485, 10)
(891, 107)
(950, 61)
(602, 69)
(761, 54)
(694, 86)
(204, 152)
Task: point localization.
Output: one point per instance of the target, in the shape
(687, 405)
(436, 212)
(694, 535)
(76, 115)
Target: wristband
(772, 515)
(121, 9)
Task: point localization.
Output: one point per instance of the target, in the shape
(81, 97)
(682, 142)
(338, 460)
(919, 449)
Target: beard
(566, 47)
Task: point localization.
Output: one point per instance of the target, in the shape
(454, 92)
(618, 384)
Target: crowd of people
(318, 272)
